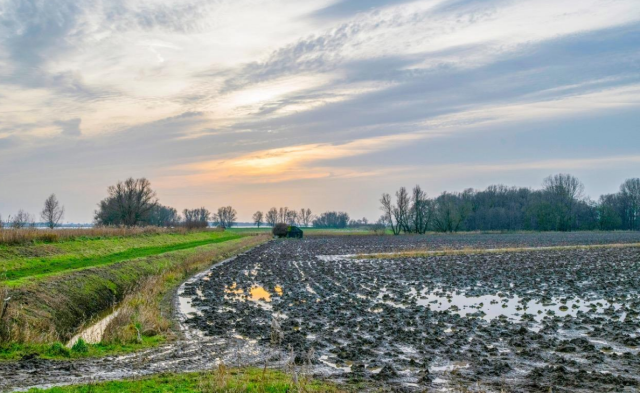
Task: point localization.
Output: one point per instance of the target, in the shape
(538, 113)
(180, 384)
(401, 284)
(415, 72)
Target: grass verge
(25, 262)
(55, 266)
(58, 351)
(251, 380)
(54, 308)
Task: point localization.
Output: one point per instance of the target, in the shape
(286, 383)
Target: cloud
(201, 93)
(70, 127)
(348, 8)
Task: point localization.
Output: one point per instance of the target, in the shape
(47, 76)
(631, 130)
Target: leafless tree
(291, 217)
(421, 211)
(403, 209)
(257, 218)
(305, 217)
(272, 217)
(129, 203)
(390, 214)
(52, 212)
(196, 218)
(283, 214)
(163, 216)
(22, 220)
(1, 222)
(226, 216)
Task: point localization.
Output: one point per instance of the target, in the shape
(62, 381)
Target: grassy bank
(219, 380)
(135, 272)
(23, 262)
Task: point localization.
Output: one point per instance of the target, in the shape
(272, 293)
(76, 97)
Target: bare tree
(163, 216)
(226, 216)
(389, 216)
(283, 214)
(421, 211)
(196, 218)
(1, 222)
(305, 217)
(272, 217)
(291, 217)
(52, 212)
(403, 209)
(257, 218)
(22, 220)
(129, 203)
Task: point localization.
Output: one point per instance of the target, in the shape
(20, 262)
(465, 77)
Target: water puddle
(186, 307)
(256, 293)
(490, 307)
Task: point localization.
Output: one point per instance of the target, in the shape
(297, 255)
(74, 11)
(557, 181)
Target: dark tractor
(287, 231)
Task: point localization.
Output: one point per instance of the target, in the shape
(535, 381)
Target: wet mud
(518, 322)
(525, 321)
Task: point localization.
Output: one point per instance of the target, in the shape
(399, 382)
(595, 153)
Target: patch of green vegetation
(54, 307)
(220, 380)
(15, 351)
(15, 271)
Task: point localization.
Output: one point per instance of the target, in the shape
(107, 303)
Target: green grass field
(20, 263)
(220, 380)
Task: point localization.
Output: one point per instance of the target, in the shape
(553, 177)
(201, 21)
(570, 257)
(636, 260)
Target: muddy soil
(527, 321)
(522, 322)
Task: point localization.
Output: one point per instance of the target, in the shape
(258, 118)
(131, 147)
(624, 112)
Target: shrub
(57, 349)
(80, 346)
(280, 230)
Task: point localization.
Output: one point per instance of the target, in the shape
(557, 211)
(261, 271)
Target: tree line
(303, 218)
(560, 205)
(133, 203)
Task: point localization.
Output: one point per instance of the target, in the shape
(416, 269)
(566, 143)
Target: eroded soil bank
(522, 322)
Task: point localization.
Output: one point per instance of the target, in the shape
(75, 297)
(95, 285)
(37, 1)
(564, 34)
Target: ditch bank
(57, 307)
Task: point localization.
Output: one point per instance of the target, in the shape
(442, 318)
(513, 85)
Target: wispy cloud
(274, 92)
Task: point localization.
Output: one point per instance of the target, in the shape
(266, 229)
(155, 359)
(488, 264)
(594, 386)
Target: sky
(323, 104)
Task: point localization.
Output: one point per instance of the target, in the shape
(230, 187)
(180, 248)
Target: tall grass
(140, 312)
(10, 236)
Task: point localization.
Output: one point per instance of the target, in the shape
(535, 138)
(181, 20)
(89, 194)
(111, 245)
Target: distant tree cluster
(283, 215)
(129, 203)
(334, 220)
(196, 218)
(133, 203)
(226, 217)
(560, 205)
(621, 210)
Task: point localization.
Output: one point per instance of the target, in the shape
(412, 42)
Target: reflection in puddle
(234, 289)
(256, 292)
(259, 293)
